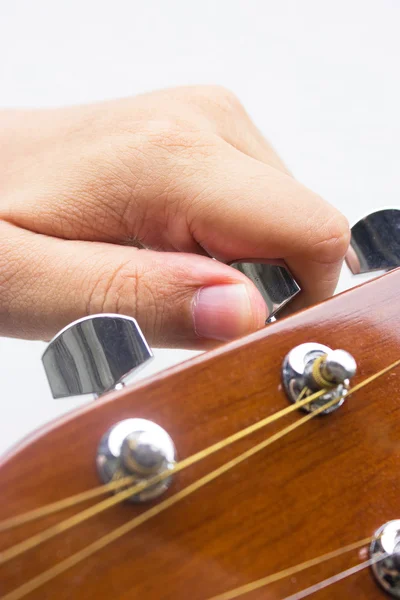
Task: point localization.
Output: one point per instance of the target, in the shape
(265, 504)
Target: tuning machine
(312, 367)
(94, 355)
(274, 281)
(384, 555)
(375, 242)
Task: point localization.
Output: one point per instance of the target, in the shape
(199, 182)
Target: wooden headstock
(327, 484)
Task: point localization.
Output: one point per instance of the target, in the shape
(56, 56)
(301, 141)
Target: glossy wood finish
(329, 483)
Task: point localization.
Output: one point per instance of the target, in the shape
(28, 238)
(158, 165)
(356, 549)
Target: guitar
(262, 469)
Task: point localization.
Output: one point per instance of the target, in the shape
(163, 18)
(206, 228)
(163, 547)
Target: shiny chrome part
(385, 548)
(375, 242)
(313, 366)
(337, 367)
(275, 283)
(94, 355)
(136, 447)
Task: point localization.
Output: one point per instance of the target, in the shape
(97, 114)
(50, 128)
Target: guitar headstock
(320, 487)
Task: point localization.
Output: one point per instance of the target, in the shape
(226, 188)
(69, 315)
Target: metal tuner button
(94, 355)
(274, 281)
(375, 242)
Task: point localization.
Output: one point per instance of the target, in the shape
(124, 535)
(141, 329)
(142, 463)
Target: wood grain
(330, 483)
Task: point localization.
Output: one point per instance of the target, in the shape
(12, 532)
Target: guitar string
(81, 497)
(338, 577)
(290, 571)
(47, 534)
(54, 507)
(113, 485)
(46, 576)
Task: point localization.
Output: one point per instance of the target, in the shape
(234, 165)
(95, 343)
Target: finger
(178, 299)
(245, 209)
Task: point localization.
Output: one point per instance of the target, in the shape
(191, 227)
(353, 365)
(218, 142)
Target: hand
(118, 207)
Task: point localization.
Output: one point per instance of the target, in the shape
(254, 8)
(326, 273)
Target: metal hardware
(375, 242)
(386, 569)
(275, 283)
(313, 367)
(140, 448)
(94, 355)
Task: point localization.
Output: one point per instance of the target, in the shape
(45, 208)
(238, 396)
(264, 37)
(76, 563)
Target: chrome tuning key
(274, 281)
(375, 242)
(312, 367)
(95, 355)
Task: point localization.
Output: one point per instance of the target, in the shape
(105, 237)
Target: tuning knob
(311, 367)
(275, 283)
(94, 355)
(375, 242)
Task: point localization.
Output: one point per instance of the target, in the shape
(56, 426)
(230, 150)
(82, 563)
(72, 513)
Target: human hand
(183, 174)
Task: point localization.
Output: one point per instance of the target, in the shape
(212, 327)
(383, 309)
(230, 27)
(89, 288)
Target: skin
(121, 206)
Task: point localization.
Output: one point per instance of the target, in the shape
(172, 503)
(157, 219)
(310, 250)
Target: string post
(330, 369)
(385, 553)
(312, 367)
(138, 448)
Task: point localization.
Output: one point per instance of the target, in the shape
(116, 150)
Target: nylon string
(335, 578)
(290, 571)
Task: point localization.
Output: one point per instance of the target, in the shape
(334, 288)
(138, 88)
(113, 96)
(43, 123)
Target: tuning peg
(312, 367)
(275, 283)
(375, 242)
(94, 355)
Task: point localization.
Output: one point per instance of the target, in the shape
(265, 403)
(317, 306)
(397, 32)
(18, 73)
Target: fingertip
(225, 312)
(258, 306)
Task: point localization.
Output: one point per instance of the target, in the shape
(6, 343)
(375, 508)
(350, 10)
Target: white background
(320, 79)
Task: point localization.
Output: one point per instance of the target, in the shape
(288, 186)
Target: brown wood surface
(329, 483)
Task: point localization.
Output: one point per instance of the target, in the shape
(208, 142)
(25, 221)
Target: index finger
(247, 209)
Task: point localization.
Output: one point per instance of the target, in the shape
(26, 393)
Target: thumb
(178, 299)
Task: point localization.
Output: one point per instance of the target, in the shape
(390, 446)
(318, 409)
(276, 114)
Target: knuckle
(179, 137)
(225, 97)
(220, 98)
(110, 287)
(123, 289)
(333, 245)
